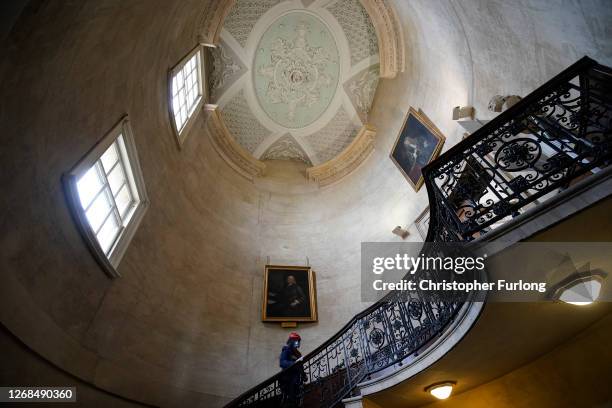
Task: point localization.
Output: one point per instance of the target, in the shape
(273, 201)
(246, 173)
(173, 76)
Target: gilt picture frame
(418, 143)
(289, 294)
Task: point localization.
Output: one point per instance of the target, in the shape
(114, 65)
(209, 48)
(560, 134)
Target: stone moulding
(347, 161)
(211, 21)
(391, 44)
(234, 155)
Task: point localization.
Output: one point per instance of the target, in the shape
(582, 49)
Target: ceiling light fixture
(580, 289)
(441, 390)
(581, 293)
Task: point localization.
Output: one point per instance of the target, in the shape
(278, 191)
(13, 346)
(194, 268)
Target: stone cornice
(391, 45)
(211, 21)
(347, 161)
(234, 155)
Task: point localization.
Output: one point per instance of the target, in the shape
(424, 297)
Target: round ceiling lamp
(441, 390)
(581, 293)
(580, 289)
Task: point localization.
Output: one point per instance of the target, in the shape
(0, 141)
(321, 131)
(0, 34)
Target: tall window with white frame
(186, 89)
(107, 194)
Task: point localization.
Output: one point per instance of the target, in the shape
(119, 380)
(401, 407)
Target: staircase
(557, 137)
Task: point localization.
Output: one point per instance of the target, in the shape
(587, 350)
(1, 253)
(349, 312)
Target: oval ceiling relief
(296, 70)
(294, 80)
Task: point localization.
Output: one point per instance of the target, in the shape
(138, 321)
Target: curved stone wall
(181, 327)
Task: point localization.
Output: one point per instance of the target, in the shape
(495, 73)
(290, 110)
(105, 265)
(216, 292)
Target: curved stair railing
(382, 335)
(554, 137)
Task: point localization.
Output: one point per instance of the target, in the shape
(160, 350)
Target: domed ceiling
(294, 80)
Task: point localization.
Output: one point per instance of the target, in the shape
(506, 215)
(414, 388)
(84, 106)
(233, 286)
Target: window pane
(111, 194)
(89, 185)
(116, 179)
(109, 158)
(186, 91)
(98, 211)
(124, 200)
(108, 233)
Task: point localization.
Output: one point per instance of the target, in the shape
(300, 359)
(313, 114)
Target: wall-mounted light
(579, 289)
(499, 103)
(441, 390)
(400, 232)
(460, 112)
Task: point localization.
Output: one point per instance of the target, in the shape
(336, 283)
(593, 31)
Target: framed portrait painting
(289, 294)
(418, 143)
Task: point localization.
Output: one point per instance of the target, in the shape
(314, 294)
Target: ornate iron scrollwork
(518, 154)
(546, 142)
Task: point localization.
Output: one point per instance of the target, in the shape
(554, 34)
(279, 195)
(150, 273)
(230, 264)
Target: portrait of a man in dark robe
(294, 299)
(289, 294)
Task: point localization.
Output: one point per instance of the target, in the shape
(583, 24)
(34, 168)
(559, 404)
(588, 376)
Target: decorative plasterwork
(296, 69)
(241, 122)
(358, 28)
(242, 18)
(226, 69)
(298, 64)
(361, 89)
(391, 44)
(233, 154)
(286, 148)
(347, 161)
(271, 120)
(333, 138)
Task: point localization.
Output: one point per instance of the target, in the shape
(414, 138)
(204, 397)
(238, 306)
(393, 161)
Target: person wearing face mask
(293, 372)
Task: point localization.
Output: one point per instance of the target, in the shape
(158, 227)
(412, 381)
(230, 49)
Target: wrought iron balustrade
(551, 139)
(380, 336)
(557, 135)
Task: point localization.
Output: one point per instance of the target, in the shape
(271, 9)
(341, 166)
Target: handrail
(548, 141)
(543, 144)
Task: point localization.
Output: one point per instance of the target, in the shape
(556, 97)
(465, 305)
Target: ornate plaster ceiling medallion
(296, 69)
(295, 80)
